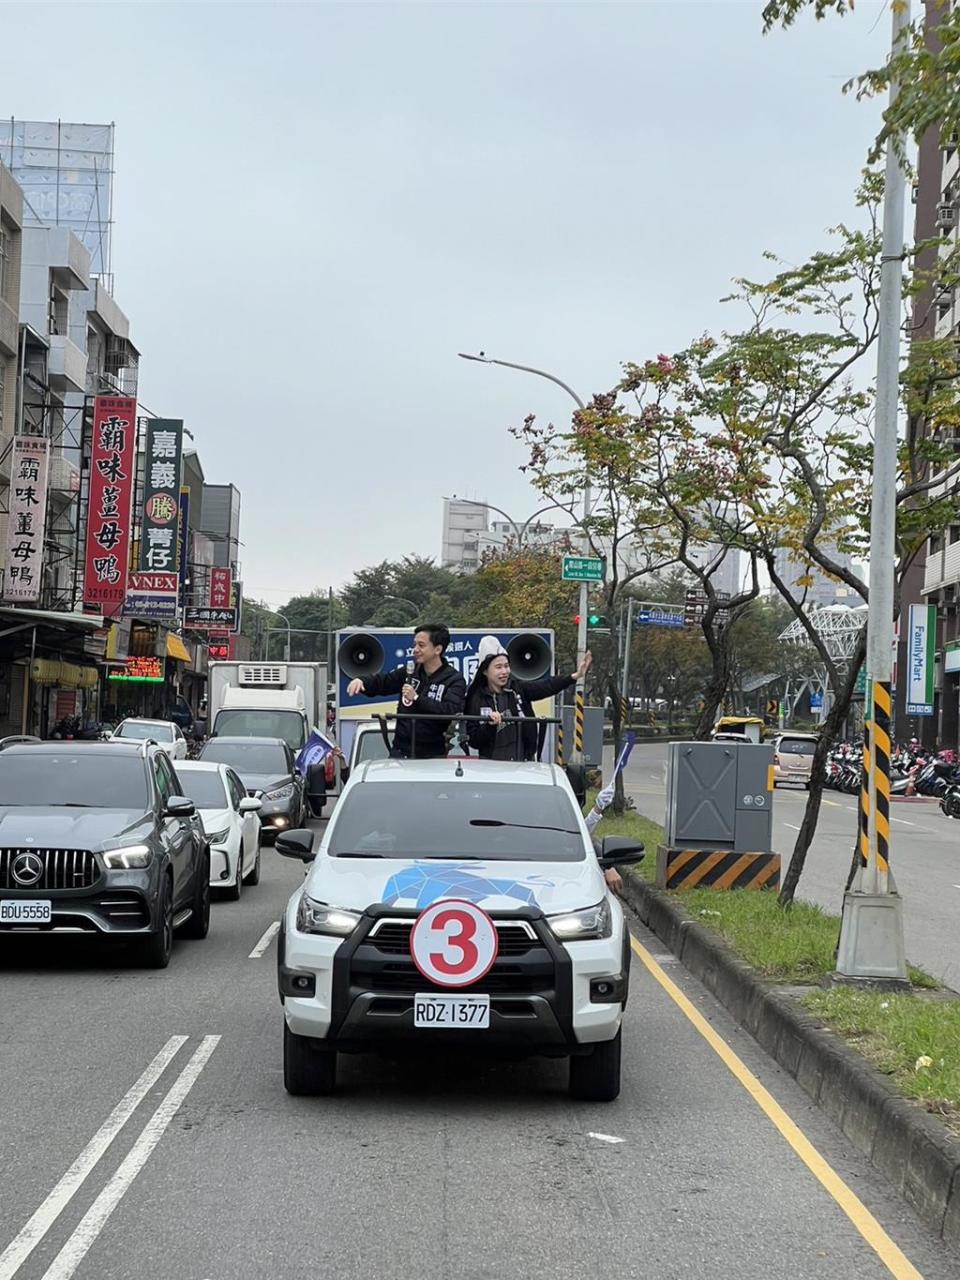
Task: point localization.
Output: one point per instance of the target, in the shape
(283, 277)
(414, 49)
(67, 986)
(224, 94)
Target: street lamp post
(871, 945)
(277, 614)
(519, 530)
(577, 753)
(400, 600)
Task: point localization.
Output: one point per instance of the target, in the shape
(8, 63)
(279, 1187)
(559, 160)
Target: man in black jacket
(432, 688)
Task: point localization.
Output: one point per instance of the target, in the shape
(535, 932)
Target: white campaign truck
(270, 700)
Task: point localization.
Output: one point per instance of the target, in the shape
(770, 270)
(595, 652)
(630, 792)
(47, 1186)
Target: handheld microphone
(410, 669)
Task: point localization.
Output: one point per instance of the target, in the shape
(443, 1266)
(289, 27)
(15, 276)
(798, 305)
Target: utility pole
(576, 755)
(871, 947)
(625, 677)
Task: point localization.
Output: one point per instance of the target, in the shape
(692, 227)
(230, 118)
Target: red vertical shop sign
(112, 468)
(221, 588)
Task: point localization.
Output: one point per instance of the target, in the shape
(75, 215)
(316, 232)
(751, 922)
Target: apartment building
(941, 572)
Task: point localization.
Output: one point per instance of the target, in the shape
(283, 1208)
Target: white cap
(489, 647)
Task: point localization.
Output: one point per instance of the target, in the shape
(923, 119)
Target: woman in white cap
(508, 729)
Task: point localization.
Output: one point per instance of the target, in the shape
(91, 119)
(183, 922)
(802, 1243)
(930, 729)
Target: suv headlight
(318, 917)
(218, 837)
(281, 793)
(134, 856)
(591, 922)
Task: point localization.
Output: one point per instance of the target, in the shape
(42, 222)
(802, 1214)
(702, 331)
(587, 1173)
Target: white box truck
(270, 700)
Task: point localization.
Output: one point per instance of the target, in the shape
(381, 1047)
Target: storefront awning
(51, 618)
(176, 649)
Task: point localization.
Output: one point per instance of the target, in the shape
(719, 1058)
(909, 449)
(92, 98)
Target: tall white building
(463, 523)
(823, 590)
(469, 535)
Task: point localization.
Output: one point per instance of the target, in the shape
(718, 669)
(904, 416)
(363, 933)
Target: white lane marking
(904, 822)
(605, 1137)
(94, 1220)
(268, 936)
(33, 1231)
(791, 826)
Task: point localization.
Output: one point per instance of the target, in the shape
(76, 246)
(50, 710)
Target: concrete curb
(911, 1148)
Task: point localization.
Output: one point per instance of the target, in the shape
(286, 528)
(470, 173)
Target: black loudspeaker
(530, 656)
(360, 655)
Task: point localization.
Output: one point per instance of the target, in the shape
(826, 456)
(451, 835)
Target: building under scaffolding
(838, 626)
(65, 170)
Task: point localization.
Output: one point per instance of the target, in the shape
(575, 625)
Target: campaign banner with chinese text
(25, 524)
(112, 466)
(160, 516)
(396, 645)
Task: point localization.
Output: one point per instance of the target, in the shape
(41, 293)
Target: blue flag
(629, 739)
(314, 751)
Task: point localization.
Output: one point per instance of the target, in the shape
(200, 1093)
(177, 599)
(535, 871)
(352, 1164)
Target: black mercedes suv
(97, 838)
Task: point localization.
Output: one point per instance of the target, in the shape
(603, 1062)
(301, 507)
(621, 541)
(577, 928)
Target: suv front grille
(506, 979)
(392, 937)
(62, 869)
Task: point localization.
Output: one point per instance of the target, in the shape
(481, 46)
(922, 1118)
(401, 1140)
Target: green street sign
(860, 688)
(582, 569)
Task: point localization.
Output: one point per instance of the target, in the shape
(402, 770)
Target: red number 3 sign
(453, 943)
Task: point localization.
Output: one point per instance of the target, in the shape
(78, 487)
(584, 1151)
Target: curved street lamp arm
(526, 368)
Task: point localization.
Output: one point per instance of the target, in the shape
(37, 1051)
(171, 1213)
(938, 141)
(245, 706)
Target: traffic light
(593, 620)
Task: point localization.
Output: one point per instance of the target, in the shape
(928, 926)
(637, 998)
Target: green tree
(400, 593)
(926, 66)
(525, 589)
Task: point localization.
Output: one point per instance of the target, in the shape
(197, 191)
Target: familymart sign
(921, 640)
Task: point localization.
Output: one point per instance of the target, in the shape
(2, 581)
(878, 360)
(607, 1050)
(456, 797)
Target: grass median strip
(913, 1039)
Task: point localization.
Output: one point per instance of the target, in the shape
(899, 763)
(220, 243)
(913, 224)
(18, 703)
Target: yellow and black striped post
(624, 711)
(578, 725)
(880, 817)
(560, 742)
(865, 793)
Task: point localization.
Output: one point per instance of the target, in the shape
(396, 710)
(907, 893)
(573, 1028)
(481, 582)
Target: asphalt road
(925, 857)
(440, 1169)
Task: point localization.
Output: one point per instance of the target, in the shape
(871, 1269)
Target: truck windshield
(287, 725)
(539, 823)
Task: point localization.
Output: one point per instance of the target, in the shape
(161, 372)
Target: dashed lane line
(896, 1262)
(33, 1231)
(266, 939)
(94, 1220)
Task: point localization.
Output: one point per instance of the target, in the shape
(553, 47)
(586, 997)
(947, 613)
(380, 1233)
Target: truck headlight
(591, 922)
(318, 917)
(281, 793)
(129, 859)
(218, 837)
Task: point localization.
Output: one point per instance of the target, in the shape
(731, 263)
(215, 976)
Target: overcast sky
(318, 205)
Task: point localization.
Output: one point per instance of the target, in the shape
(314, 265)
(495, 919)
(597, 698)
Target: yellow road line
(869, 1228)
